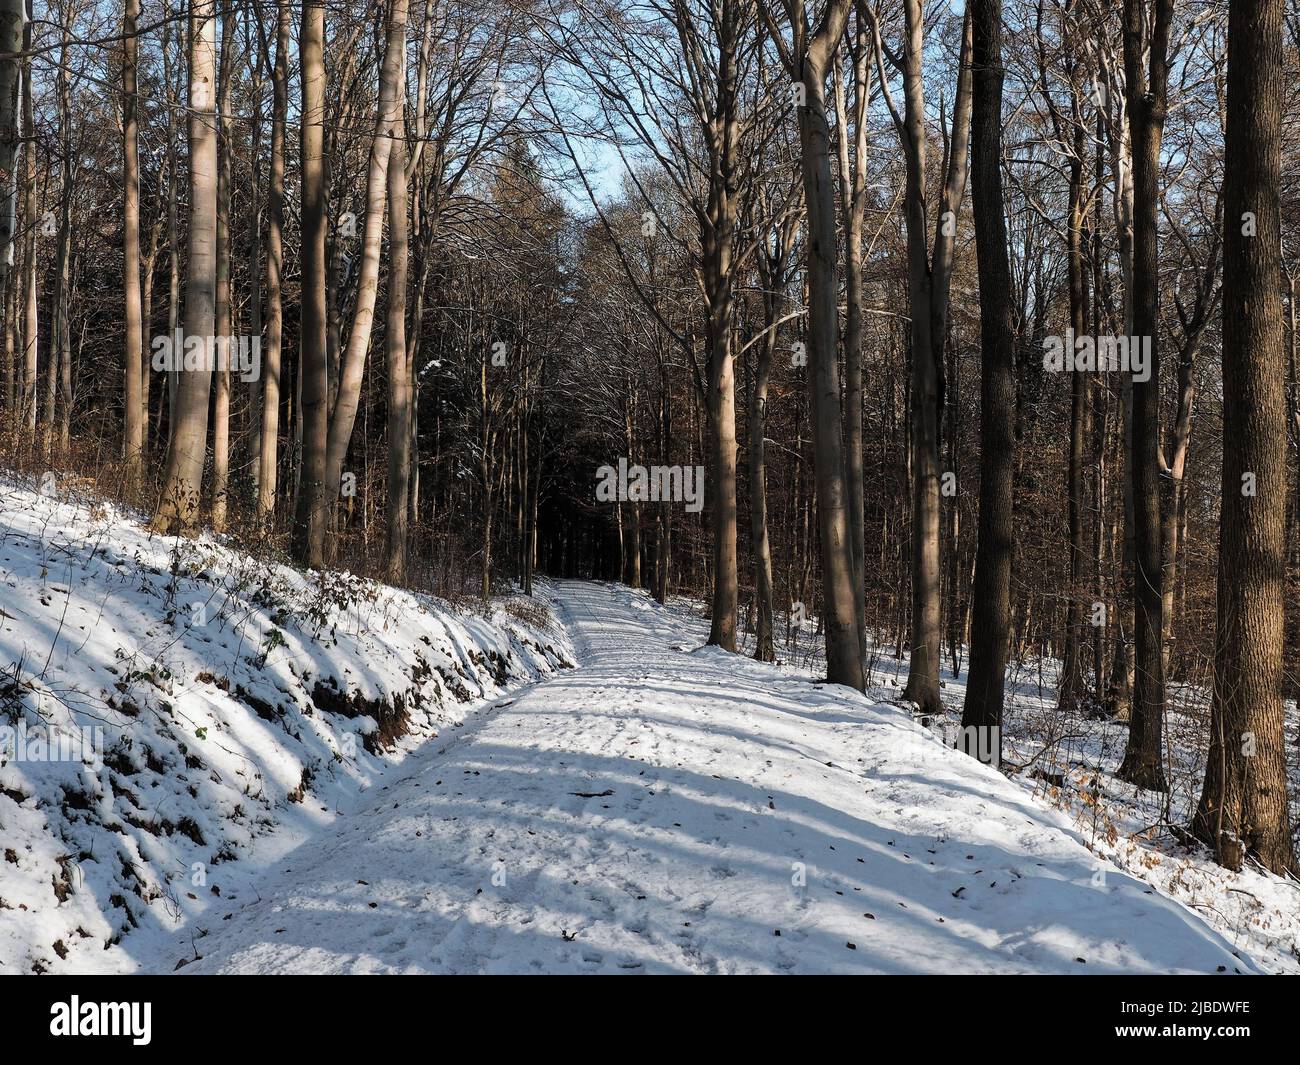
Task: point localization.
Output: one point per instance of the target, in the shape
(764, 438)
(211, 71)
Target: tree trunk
(853, 188)
(1143, 763)
(178, 506)
(225, 316)
(268, 437)
(173, 240)
(1173, 511)
(11, 41)
(148, 264)
(30, 322)
(723, 135)
(399, 378)
(10, 296)
(773, 275)
(664, 561)
(928, 298)
(991, 595)
(313, 365)
(133, 435)
(1243, 808)
(632, 556)
(1072, 678)
(348, 392)
(58, 377)
(842, 623)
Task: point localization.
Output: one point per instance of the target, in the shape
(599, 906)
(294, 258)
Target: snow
(663, 807)
(1069, 761)
(241, 707)
(670, 808)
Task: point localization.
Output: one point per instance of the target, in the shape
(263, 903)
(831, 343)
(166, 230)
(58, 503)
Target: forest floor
(662, 807)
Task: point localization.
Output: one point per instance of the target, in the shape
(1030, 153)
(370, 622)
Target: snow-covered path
(670, 808)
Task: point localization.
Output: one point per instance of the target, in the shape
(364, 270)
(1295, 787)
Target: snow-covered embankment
(175, 714)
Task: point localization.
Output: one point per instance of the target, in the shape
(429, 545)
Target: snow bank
(175, 714)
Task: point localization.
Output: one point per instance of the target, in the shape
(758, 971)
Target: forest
(940, 350)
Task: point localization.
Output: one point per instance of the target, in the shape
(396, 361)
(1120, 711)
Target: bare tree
(1243, 809)
(268, 437)
(27, 408)
(853, 206)
(178, 504)
(775, 265)
(313, 364)
(991, 595)
(133, 437)
(379, 178)
(11, 42)
(929, 280)
(399, 372)
(1147, 94)
(225, 300)
(807, 57)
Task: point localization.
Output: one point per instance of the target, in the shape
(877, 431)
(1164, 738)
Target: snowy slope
(669, 808)
(241, 708)
(1070, 760)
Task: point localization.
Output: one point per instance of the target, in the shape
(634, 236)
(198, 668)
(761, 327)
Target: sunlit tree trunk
(841, 621)
(399, 377)
(853, 203)
(58, 378)
(11, 41)
(394, 342)
(269, 436)
(173, 236)
(178, 505)
(225, 312)
(348, 393)
(719, 251)
(133, 442)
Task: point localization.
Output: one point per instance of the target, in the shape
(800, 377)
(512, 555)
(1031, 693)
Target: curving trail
(668, 808)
